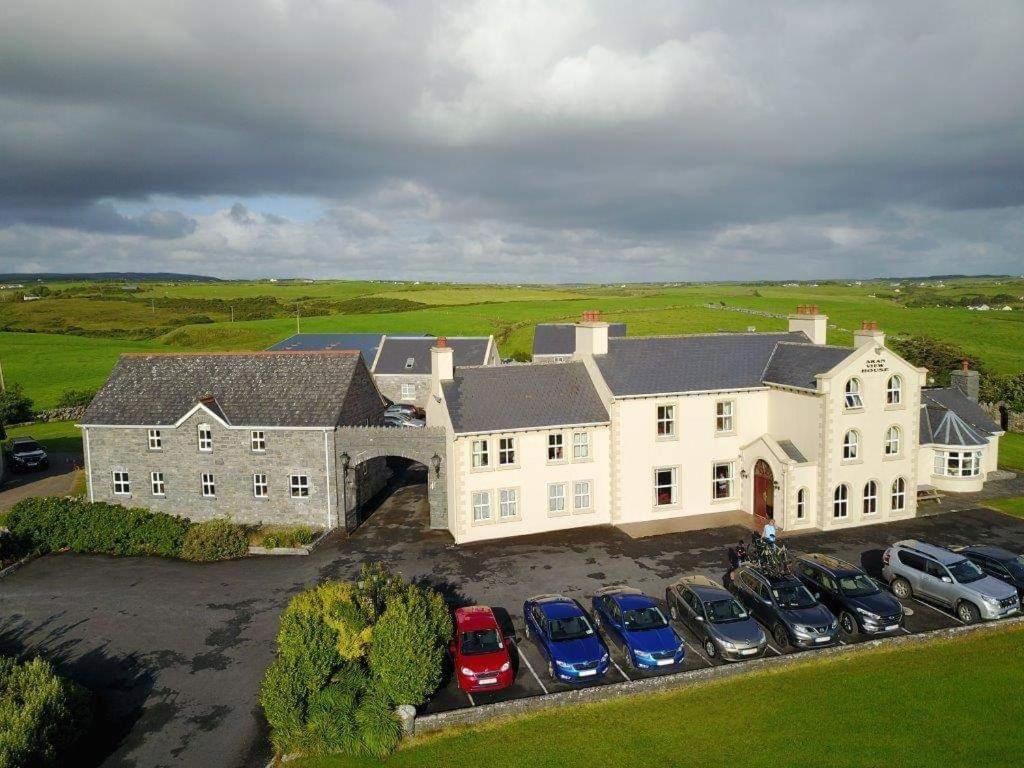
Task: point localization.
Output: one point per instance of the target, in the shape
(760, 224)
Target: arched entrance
(764, 490)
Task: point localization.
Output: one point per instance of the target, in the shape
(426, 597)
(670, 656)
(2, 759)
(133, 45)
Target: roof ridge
(243, 353)
(707, 334)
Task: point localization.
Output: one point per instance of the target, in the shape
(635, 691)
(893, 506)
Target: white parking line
(938, 610)
(906, 630)
(470, 697)
(529, 666)
(620, 670)
(695, 647)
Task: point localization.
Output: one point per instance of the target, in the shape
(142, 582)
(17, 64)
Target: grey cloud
(103, 217)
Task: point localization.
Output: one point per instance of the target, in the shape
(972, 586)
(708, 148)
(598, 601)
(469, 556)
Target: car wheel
(781, 637)
(849, 624)
(710, 648)
(968, 612)
(902, 589)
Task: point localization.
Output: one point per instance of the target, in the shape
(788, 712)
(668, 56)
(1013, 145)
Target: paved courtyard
(176, 650)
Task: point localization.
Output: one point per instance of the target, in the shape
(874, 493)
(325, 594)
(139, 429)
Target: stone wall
(390, 385)
(1016, 419)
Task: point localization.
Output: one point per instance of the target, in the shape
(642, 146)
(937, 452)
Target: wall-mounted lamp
(743, 474)
(775, 485)
(345, 461)
(435, 462)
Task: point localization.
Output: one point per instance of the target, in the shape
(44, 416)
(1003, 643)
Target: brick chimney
(811, 322)
(591, 334)
(868, 334)
(966, 381)
(442, 364)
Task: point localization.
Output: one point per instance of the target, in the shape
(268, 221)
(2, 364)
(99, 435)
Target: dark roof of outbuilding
(396, 352)
(796, 365)
(560, 338)
(492, 399)
(968, 410)
(703, 363)
(300, 389)
(367, 343)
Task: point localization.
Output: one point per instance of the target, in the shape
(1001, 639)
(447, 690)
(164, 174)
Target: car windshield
(572, 628)
(640, 619)
(857, 585)
(724, 611)
(26, 447)
(965, 571)
(792, 596)
(480, 641)
(1016, 566)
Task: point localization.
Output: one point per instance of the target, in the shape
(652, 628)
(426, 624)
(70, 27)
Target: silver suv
(913, 568)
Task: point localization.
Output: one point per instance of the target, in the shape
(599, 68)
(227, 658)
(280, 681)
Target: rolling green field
(54, 436)
(949, 702)
(1011, 451)
(78, 331)
(1013, 506)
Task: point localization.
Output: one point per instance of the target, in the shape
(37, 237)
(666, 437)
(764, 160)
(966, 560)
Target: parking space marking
(696, 647)
(938, 610)
(906, 630)
(529, 666)
(620, 669)
(470, 697)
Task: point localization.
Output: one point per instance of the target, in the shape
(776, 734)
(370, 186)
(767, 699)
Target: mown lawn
(54, 436)
(1013, 506)
(941, 704)
(1011, 451)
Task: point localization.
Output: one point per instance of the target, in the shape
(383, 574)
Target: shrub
(282, 537)
(43, 717)
(378, 728)
(72, 398)
(282, 696)
(15, 405)
(331, 722)
(214, 540)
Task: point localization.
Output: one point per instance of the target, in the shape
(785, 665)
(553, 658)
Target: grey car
(716, 618)
(915, 569)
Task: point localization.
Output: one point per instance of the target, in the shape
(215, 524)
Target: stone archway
(426, 445)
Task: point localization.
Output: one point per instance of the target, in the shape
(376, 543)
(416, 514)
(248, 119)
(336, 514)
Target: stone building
(402, 366)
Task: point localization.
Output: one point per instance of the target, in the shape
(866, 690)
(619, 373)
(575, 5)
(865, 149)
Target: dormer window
(853, 399)
(205, 438)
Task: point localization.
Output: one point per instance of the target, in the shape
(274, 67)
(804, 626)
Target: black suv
(27, 455)
(850, 594)
(783, 605)
(998, 563)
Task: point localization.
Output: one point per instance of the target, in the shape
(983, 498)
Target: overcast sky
(513, 141)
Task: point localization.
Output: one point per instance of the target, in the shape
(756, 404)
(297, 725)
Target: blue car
(635, 623)
(574, 651)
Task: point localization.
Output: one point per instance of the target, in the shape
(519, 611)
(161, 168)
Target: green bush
(43, 718)
(15, 405)
(283, 697)
(378, 728)
(283, 537)
(214, 540)
(72, 398)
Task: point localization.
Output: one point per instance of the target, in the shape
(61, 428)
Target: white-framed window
(840, 500)
(580, 445)
(205, 438)
(556, 447)
(801, 504)
(853, 398)
(870, 497)
(958, 463)
(666, 490)
(156, 442)
(899, 494)
(408, 391)
(481, 506)
(258, 441)
(893, 441)
(724, 415)
(122, 485)
(894, 390)
(722, 480)
(481, 454)
(508, 503)
(299, 486)
(208, 485)
(260, 486)
(156, 483)
(556, 498)
(851, 445)
(581, 496)
(506, 451)
(666, 420)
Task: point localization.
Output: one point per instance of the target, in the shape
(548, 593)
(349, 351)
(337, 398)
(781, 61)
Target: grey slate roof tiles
(795, 365)
(560, 338)
(367, 343)
(792, 451)
(396, 352)
(968, 410)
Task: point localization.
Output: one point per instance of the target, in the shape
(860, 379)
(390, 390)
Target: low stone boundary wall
(303, 550)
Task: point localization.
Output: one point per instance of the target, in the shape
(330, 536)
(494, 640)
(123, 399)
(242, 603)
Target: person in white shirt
(769, 532)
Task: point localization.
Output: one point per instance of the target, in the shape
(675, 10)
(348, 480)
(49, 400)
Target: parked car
(480, 652)
(850, 594)
(397, 419)
(27, 455)
(783, 605)
(914, 568)
(565, 637)
(407, 409)
(634, 622)
(998, 563)
(724, 627)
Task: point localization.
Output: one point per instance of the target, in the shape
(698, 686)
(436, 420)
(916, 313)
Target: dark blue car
(636, 623)
(573, 649)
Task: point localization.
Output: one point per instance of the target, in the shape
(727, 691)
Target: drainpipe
(88, 466)
(327, 468)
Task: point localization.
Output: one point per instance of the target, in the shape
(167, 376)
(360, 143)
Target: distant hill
(135, 277)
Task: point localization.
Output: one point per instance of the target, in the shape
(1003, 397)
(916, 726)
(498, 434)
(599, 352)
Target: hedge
(214, 540)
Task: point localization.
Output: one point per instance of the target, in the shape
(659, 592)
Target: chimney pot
(965, 364)
(442, 341)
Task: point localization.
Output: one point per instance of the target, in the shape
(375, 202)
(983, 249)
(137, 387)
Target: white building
(684, 432)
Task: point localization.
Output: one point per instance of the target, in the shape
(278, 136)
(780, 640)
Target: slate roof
(560, 338)
(499, 398)
(968, 410)
(795, 365)
(367, 343)
(396, 351)
(940, 426)
(669, 364)
(272, 389)
(792, 451)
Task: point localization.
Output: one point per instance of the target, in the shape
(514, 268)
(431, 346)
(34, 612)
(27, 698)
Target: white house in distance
(655, 434)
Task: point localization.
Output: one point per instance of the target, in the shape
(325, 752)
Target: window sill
(850, 462)
(897, 407)
(587, 511)
(487, 521)
(725, 500)
(512, 519)
(729, 433)
(857, 409)
(122, 495)
(556, 462)
(673, 507)
(583, 460)
(259, 450)
(481, 469)
(560, 513)
(666, 438)
(507, 466)
(893, 457)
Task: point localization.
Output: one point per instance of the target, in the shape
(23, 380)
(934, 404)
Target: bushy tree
(939, 357)
(15, 405)
(1004, 389)
(214, 540)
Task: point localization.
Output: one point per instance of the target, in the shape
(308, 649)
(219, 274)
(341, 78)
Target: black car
(850, 594)
(998, 563)
(784, 606)
(26, 455)
(724, 627)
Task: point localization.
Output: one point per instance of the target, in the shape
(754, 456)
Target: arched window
(870, 497)
(853, 399)
(840, 499)
(205, 438)
(899, 494)
(851, 445)
(893, 441)
(801, 503)
(894, 391)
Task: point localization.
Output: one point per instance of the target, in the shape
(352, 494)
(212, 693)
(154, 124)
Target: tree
(939, 357)
(15, 405)
(1004, 389)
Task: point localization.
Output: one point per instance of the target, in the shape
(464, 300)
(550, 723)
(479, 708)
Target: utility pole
(297, 318)
(3, 387)
(232, 313)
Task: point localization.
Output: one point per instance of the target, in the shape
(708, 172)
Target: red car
(480, 651)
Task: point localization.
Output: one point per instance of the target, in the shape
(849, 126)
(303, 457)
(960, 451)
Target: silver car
(913, 568)
(723, 626)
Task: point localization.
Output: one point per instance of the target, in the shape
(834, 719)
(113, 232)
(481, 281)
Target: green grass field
(1011, 451)
(1014, 506)
(940, 704)
(54, 436)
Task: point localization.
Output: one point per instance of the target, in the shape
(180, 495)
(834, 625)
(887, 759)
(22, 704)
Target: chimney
(808, 320)
(591, 334)
(966, 381)
(442, 365)
(868, 334)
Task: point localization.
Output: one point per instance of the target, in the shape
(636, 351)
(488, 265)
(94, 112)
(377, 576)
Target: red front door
(764, 490)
